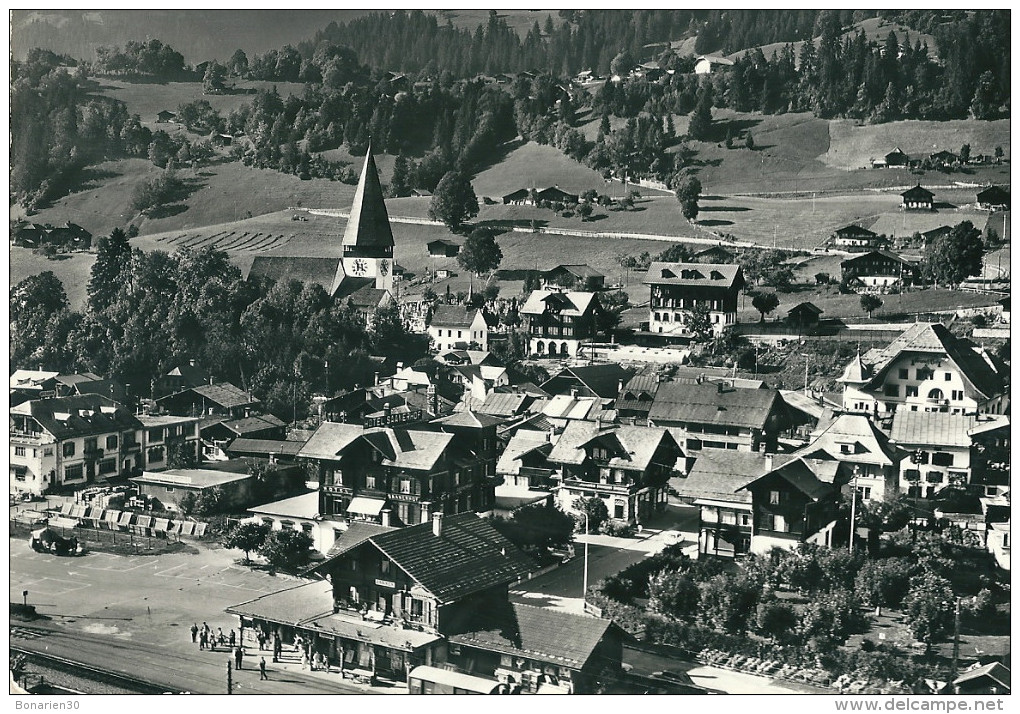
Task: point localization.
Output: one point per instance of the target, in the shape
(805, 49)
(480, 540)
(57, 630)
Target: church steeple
(368, 233)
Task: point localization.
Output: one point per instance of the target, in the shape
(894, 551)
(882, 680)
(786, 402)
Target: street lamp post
(807, 361)
(584, 595)
(853, 507)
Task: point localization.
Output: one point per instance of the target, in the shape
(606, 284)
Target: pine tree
(112, 260)
(701, 118)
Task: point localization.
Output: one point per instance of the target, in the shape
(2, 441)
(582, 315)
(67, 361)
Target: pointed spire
(369, 224)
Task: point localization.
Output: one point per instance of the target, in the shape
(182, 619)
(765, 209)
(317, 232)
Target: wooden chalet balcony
(602, 487)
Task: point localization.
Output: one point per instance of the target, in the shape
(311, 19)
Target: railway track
(89, 678)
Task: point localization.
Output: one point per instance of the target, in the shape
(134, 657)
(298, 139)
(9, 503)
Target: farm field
(521, 21)
(72, 269)
(854, 145)
(222, 191)
(848, 307)
(148, 99)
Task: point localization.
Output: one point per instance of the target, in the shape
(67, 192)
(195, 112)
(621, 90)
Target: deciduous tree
(480, 253)
(247, 537)
(454, 200)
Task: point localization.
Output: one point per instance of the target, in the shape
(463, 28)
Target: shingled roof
(868, 444)
(535, 632)
(638, 444)
(225, 394)
(726, 275)
(326, 272)
(468, 556)
(369, 224)
(718, 474)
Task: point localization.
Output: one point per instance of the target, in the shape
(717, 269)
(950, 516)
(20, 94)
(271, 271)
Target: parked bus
(432, 680)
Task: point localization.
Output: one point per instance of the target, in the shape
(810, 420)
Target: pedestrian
(277, 648)
(261, 637)
(262, 669)
(304, 659)
(233, 638)
(203, 639)
(238, 656)
(220, 637)
(205, 628)
(194, 631)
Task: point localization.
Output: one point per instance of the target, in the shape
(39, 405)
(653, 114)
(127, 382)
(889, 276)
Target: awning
(467, 682)
(366, 506)
(61, 522)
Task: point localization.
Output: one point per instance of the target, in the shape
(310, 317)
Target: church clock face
(384, 267)
(360, 267)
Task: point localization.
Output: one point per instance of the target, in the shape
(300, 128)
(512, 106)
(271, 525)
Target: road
(132, 614)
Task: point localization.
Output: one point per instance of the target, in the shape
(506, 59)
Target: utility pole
(807, 360)
(230, 679)
(853, 508)
(956, 637)
(584, 595)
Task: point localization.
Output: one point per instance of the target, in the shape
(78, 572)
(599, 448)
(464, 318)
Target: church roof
(369, 224)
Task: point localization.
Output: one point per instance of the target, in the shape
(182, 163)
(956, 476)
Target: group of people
(207, 640)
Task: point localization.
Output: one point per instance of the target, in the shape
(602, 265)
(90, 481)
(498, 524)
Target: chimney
(573, 392)
(437, 525)
(551, 435)
(247, 412)
(385, 514)
(619, 386)
(400, 366)
(387, 410)
(598, 422)
(375, 381)
(191, 362)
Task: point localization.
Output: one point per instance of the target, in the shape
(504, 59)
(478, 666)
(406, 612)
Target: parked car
(47, 540)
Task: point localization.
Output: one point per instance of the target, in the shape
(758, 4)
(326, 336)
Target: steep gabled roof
(717, 474)
(601, 379)
(931, 428)
(868, 443)
(520, 445)
(855, 231)
(637, 444)
(330, 439)
(278, 268)
(535, 632)
(570, 303)
(993, 670)
(369, 224)
(469, 556)
(476, 420)
(505, 404)
(224, 394)
(799, 474)
(871, 254)
(918, 192)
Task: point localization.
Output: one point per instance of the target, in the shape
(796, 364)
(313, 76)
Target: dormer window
(667, 273)
(716, 275)
(846, 449)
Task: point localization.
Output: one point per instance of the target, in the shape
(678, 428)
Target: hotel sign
(386, 583)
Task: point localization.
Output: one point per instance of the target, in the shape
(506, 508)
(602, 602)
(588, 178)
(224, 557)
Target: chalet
(627, 467)
(585, 76)
(712, 416)
(466, 357)
(715, 254)
(896, 158)
(68, 384)
(394, 594)
(650, 71)
(853, 236)
(918, 199)
(940, 450)
(221, 139)
(554, 194)
(169, 487)
(993, 198)
(458, 327)
(679, 288)
(272, 450)
(31, 235)
(927, 368)
(599, 380)
(218, 433)
(935, 233)
(398, 475)
(362, 275)
(795, 503)
(520, 197)
(879, 270)
(167, 436)
(574, 277)
(166, 116)
(506, 405)
(70, 235)
(421, 193)
(186, 376)
(559, 323)
(805, 314)
(69, 441)
(107, 387)
(479, 380)
(220, 398)
(854, 441)
(524, 463)
(706, 64)
(562, 409)
(943, 158)
(440, 248)
(991, 678)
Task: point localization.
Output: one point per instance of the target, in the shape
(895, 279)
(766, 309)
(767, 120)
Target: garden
(877, 620)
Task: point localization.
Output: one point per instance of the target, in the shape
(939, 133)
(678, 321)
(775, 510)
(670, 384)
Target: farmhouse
(918, 199)
(520, 197)
(440, 248)
(715, 254)
(935, 233)
(558, 323)
(853, 236)
(679, 288)
(578, 277)
(994, 198)
(943, 158)
(707, 64)
(166, 116)
(896, 158)
(221, 398)
(805, 314)
(879, 270)
(554, 194)
(457, 327)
